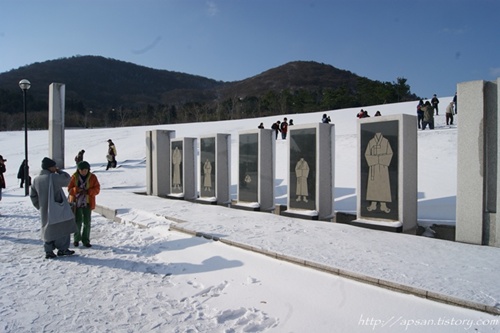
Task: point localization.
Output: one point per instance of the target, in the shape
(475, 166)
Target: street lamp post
(25, 85)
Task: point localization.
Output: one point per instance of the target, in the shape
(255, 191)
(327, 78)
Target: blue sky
(434, 44)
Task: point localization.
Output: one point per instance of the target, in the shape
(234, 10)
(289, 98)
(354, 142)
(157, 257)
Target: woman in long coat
(54, 235)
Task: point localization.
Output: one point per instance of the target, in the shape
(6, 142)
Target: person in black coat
(20, 174)
(79, 156)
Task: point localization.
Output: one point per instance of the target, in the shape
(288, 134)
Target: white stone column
(477, 158)
(57, 93)
(158, 162)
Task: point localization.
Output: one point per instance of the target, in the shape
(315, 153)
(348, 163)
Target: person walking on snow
(83, 188)
(111, 156)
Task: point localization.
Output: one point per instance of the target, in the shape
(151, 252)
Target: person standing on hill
(47, 187)
(276, 127)
(449, 114)
(455, 101)
(2, 179)
(79, 156)
(83, 188)
(111, 156)
(428, 116)
(420, 113)
(326, 119)
(20, 174)
(284, 128)
(435, 102)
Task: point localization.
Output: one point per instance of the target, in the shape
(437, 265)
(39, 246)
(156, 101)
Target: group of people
(60, 216)
(57, 226)
(364, 114)
(425, 112)
(279, 127)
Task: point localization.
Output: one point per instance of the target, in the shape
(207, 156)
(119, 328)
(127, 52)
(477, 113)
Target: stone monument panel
(207, 167)
(177, 167)
(302, 175)
(379, 170)
(248, 165)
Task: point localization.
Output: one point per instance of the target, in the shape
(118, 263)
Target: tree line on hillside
(287, 101)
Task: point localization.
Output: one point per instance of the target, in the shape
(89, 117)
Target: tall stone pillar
(158, 162)
(477, 159)
(57, 93)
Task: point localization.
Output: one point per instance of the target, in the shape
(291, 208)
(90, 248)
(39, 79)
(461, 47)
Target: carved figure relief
(176, 163)
(378, 155)
(207, 175)
(302, 172)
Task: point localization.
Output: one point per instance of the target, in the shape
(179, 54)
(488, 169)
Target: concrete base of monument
(392, 226)
(207, 200)
(251, 206)
(301, 214)
(176, 196)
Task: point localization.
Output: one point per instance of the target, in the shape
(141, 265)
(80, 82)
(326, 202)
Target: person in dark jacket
(111, 156)
(435, 102)
(2, 179)
(420, 113)
(79, 156)
(276, 127)
(55, 233)
(20, 175)
(428, 116)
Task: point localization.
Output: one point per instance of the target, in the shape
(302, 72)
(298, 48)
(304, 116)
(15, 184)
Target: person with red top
(284, 128)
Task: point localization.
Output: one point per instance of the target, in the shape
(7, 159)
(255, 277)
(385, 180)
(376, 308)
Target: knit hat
(47, 163)
(83, 165)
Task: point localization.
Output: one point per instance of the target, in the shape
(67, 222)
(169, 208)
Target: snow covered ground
(142, 275)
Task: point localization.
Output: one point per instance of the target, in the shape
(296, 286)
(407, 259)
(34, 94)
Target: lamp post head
(24, 84)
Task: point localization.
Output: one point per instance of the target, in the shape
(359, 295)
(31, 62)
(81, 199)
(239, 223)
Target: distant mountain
(103, 83)
(295, 75)
(121, 93)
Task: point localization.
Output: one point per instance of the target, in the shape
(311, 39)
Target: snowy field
(155, 279)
